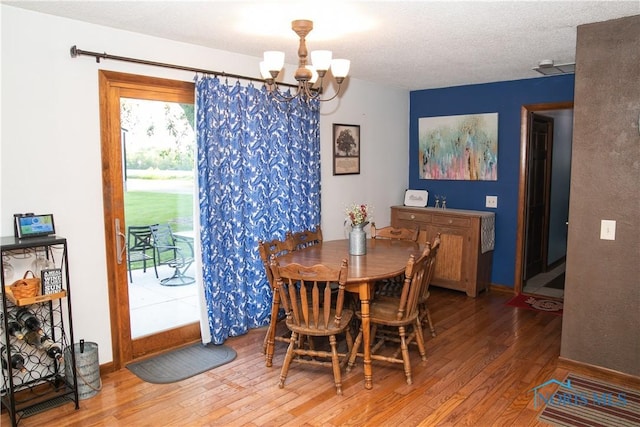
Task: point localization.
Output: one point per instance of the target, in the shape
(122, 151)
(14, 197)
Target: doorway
(545, 166)
(114, 88)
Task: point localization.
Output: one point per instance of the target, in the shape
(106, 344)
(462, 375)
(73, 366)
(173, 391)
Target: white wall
(50, 140)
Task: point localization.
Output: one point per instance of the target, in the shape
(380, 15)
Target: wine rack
(44, 381)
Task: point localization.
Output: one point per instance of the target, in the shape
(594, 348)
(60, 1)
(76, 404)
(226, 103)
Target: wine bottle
(33, 339)
(51, 348)
(29, 320)
(17, 361)
(14, 329)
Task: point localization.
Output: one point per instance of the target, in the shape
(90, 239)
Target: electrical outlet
(492, 202)
(607, 229)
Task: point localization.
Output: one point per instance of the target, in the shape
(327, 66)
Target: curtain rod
(75, 52)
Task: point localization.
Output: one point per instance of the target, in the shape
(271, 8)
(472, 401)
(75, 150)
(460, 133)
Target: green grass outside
(147, 208)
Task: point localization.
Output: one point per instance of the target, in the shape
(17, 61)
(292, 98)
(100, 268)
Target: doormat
(183, 363)
(556, 283)
(536, 303)
(581, 401)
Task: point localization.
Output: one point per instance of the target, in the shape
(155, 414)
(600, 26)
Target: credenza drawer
(450, 221)
(413, 216)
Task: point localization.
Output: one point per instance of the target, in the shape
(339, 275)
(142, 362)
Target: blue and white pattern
(258, 176)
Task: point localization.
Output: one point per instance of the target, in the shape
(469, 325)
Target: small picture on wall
(346, 149)
(463, 147)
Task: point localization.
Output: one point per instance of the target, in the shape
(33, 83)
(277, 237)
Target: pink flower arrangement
(359, 214)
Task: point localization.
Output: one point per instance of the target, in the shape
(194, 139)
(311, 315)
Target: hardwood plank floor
(480, 371)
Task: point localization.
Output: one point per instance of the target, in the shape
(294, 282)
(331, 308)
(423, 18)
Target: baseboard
(106, 368)
(502, 288)
(599, 372)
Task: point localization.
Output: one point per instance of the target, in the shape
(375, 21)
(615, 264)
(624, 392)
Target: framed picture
(51, 281)
(346, 149)
(463, 147)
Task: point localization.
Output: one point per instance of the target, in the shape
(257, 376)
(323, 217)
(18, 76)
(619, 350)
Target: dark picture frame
(346, 149)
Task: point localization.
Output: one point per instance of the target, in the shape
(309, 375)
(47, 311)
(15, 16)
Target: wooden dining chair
(395, 233)
(424, 315)
(399, 313)
(305, 238)
(313, 310)
(266, 250)
(392, 285)
(423, 307)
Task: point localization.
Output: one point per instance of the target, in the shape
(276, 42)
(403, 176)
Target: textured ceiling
(408, 44)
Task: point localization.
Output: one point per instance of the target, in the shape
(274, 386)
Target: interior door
(113, 87)
(538, 191)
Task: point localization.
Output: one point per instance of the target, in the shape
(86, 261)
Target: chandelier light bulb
(264, 70)
(340, 68)
(321, 59)
(274, 61)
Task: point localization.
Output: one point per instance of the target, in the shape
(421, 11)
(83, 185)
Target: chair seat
(139, 256)
(384, 311)
(320, 330)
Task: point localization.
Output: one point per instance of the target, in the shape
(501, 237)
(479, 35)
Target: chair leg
(335, 363)
(271, 332)
(431, 327)
(420, 340)
(354, 350)
(405, 354)
(287, 360)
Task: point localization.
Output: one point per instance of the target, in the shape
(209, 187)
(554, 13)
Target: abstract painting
(463, 147)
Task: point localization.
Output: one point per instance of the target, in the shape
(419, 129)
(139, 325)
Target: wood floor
(480, 371)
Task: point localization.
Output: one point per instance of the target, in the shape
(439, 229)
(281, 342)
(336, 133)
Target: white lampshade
(274, 60)
(321, 59)
(340, 67)
(314, 74)
(264, 71)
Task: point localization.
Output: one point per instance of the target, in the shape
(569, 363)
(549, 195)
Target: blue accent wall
(506, 99)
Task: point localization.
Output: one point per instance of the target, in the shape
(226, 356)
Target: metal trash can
(87, 368)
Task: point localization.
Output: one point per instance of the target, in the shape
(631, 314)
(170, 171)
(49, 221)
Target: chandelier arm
(279, 96)
(333, 97)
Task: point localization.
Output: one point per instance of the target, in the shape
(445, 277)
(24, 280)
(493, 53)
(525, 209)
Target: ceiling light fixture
(548, 68)
(306, 75)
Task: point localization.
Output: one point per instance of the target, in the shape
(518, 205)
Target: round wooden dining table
(384, 259)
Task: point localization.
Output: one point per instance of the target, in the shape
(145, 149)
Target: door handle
(120, 246)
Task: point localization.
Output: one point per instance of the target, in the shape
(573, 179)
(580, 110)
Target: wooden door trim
(113, 85)
(522, 186)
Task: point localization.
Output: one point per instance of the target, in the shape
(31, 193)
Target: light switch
(607, 229)
(492, 202)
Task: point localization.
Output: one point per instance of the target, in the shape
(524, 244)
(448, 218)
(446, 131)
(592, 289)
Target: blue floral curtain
(258, 176)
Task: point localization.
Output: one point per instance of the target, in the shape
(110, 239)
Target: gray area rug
(180, 364)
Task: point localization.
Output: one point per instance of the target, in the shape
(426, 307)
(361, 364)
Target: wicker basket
(27, 287)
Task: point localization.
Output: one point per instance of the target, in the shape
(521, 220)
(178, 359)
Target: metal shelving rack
(47, 382)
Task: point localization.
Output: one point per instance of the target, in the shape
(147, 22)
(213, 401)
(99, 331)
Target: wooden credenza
(461, 263)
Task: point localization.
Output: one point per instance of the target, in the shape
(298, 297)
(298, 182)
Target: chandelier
(306, 75)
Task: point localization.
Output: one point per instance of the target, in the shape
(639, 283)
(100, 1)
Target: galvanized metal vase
(358, 240)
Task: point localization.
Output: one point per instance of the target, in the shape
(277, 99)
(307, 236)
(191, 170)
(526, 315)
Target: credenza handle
(450, 221)
(413, 217)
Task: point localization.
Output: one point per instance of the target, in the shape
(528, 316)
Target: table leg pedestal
(364, 291)
(366, 343)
